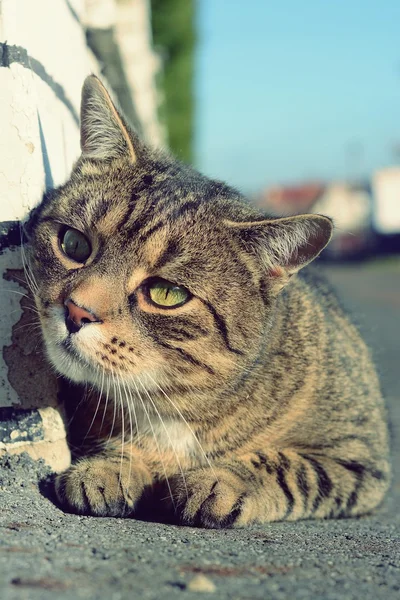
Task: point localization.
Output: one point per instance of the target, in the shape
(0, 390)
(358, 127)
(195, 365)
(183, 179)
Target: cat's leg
(274, 486)
(107, 484)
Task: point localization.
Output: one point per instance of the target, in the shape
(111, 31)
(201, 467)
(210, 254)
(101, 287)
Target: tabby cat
(211, 373)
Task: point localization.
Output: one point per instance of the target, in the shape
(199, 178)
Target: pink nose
(76, 316)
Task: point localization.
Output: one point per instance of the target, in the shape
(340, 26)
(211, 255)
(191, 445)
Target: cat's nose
(77, 316)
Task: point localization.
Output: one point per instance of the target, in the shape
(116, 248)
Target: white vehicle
(386, 204)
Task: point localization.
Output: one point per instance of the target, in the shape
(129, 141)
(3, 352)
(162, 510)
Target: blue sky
(294, 90)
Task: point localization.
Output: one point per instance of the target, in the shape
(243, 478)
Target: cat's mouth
(71, 349)
(74, 355)
(90, 355)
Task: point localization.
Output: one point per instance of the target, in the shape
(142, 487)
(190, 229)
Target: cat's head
(151, 276)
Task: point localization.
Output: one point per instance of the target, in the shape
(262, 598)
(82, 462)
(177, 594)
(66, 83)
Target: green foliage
(174, 36)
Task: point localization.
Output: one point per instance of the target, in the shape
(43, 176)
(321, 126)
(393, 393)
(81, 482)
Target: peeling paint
(29, 373)
(10, 312)
(10, 235)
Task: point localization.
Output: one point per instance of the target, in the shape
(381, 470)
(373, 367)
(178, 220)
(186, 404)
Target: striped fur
(255, 401)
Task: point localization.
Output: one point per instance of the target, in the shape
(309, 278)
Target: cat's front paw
(213, 498)
(102, 486)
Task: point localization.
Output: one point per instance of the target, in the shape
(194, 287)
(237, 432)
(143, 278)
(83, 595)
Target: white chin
(69, 366)
(64, 361)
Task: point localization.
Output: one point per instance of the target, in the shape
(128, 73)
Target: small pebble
(200, 583)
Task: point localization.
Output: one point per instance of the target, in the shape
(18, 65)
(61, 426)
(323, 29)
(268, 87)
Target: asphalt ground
(45, 553)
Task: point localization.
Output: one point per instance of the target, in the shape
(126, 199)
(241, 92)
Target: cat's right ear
(104, 133)
(284, 245)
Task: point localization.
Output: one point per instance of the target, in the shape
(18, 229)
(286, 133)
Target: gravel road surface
(45, 553)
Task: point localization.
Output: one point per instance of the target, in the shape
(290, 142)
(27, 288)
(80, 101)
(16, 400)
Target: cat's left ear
(104, 133)
(285, 245)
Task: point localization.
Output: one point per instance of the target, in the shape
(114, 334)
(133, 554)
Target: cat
(211, 368)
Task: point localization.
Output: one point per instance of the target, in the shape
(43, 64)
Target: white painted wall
(39, 108)
(44, 62)
(52, 36)
(142, 64)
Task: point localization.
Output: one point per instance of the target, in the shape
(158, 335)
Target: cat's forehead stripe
(110, 222)
(138, 276)
(165, 254)
(156, 253)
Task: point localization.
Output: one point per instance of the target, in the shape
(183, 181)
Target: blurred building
(350, 207)
(290, 200)
(386, 208)
(348, 204)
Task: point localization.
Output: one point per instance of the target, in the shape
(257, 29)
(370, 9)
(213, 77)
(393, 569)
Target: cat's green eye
(75, 245)
(166, 294)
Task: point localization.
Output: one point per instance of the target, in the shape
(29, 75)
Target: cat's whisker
(34, 318)
(34, 327)
(187, 425)
(16, 292)
(168, 435)
(123, 430)
(40, 340)
(29, 277)
(81, 401)
(20, 280)
(30, 308)
(131, 431)
(157, 444)
(31, 280)
(105, 403)
(28, 282)
(115, 410)
(97, 409)
(23, 283)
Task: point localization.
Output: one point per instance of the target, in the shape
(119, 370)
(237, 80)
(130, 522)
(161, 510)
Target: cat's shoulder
(312, 284)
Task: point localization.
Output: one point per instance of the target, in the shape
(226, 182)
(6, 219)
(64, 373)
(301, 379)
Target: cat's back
(313, 303)
(328, 376)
